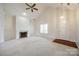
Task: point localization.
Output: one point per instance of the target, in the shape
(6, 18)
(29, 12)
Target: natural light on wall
(62, 20)
(43, 28)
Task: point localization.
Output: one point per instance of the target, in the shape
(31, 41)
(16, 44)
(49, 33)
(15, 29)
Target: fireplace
(23, 34)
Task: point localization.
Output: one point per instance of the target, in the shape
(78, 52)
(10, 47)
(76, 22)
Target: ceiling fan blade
(32, 10)
(35, 8)
(27, 4)
(33, 5)
(27, 8)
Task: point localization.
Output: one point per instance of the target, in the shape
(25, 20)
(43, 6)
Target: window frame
(44, 28)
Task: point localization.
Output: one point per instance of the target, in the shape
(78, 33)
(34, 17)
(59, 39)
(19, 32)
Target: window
(44, 28)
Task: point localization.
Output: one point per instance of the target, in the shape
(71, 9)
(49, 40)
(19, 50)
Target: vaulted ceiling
(19, 8)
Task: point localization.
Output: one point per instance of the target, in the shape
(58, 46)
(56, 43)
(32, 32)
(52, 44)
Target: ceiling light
(24, 13)
(62, 17)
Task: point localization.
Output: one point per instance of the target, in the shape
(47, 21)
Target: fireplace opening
(23, 34)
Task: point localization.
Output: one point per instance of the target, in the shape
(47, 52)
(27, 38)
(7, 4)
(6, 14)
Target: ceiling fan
(31, 7)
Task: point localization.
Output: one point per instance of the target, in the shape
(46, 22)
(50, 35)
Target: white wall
(49, 17)
(59, 28)
(67, 25)
(77, 26)
(22, 25)
(10, 27)
(2, 20)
